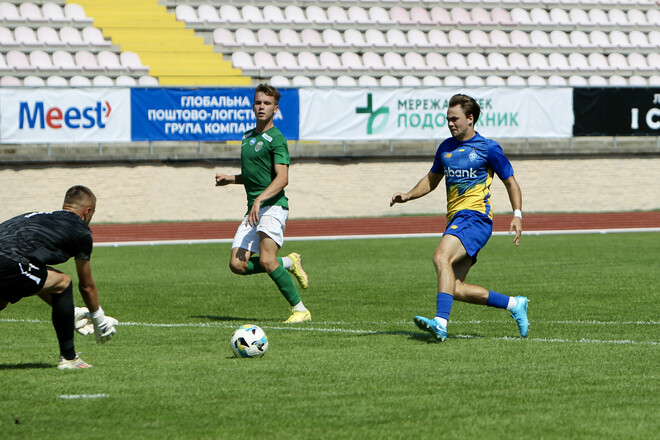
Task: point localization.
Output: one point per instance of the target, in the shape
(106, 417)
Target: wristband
(517, 213)
(97, 316)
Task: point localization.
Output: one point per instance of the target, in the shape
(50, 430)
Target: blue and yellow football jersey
(468, 169)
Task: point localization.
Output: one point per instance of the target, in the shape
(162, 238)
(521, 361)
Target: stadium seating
(351, 42)
(56, 44)
(530, 41)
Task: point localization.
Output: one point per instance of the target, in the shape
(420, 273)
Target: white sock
(442, 321)
(512, 303)
(287, 263)
(300, 307)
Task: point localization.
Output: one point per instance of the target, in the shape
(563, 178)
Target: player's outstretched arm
(515, 197)
(86, 284)
(427, 184)
(104, 326)
(226, 179)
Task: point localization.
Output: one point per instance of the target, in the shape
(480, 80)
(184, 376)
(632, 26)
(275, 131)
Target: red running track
(371, 226)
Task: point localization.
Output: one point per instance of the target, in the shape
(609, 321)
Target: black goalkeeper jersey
(45, 237)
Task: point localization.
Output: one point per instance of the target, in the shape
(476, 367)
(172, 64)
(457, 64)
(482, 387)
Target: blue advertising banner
(173, 114)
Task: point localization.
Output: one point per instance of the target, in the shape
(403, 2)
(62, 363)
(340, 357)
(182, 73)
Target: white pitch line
(83, 396)
(377, 332)
(372, 236)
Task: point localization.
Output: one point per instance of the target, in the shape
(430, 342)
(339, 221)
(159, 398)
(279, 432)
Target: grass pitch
(361, 369)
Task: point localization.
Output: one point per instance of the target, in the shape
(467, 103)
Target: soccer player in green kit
(265, 173)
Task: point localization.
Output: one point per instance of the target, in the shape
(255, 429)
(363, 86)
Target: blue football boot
(519, 313)
(432, 326)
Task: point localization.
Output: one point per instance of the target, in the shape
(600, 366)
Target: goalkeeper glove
(104, 326)
(81, 321)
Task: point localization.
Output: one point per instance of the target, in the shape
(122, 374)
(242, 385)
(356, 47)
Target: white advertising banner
(414, 113)
(43, 115)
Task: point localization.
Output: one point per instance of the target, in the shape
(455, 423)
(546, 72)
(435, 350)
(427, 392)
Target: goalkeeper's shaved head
(79, 196)
(82, 201)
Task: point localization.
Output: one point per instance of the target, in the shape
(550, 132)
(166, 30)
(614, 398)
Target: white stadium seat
(410, 81)
(308, 61)
(269, 38)
(125, 80)
(323, 81)
(274, 14)
(252, 14)
(109, 61)
(346, 81)
(301, 81)
(102, 81)
(76, 13)
(26, 36)
(94, 37)
(41, 61)
(33, 81)
(18, 61)
(208, 14)
(53, 13)
(187, 14)
(31, 13)
(9, 81)
(389, 81)
(431, 80)
(48, 36)
(367, 81)
(56, 81)
(80, 81)
(87, 61)
(64, 61)
(9, 13)
(147, 81)
(330, 61)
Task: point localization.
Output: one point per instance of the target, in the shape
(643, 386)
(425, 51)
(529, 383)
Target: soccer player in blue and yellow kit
(467, 161)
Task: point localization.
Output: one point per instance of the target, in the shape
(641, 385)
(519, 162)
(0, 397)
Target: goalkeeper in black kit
(29, 243)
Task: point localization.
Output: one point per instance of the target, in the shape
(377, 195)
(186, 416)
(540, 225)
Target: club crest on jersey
(447, 155)
(258, 146)
(473, 155)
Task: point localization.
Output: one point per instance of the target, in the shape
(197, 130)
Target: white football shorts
(272, 221)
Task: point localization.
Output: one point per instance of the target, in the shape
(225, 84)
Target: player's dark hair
(268, 90)
(79, 195)
(468, 104)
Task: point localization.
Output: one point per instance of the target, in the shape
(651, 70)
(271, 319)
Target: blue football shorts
(472, 228)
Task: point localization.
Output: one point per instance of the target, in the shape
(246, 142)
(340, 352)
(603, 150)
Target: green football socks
(284, 282)
(254, 266)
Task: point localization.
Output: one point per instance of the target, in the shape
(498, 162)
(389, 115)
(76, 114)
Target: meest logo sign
(56, 118)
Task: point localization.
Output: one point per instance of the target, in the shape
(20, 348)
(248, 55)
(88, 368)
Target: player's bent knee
(441, 261)
(238, 267)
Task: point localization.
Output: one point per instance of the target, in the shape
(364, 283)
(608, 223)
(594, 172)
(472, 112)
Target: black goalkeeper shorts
(19, 280)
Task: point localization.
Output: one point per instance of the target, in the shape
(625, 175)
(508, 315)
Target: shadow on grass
(422, 336)
(25, 366)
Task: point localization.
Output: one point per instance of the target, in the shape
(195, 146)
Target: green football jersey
(259, 154)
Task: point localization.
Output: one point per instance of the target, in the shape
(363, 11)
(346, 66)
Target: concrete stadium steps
(173, 53)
